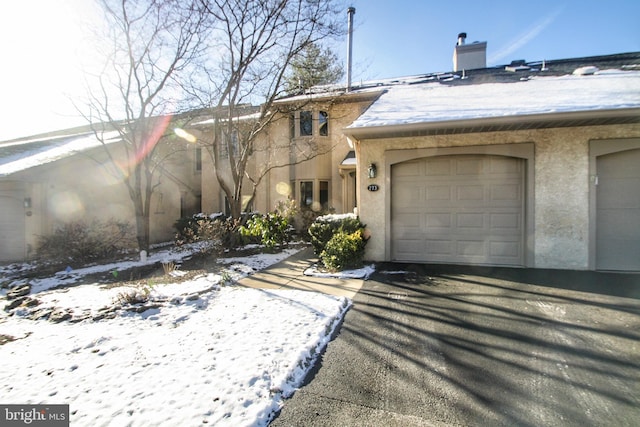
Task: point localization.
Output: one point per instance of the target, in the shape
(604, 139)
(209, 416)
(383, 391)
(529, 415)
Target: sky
(44, 47)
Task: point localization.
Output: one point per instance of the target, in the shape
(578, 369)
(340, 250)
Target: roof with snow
(535, 95)
(582, 91)
(520, 95)
(16, 156)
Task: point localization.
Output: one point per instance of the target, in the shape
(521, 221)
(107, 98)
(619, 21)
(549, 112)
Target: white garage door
(458, 209)
(11, 229)
(618, 211)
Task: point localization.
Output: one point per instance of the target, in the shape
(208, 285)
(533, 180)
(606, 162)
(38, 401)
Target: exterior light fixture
(27, 202)
(372, 170)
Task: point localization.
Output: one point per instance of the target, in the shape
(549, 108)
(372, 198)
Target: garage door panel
(507, 193)
(507, 250)
(407, 223)
(481, 224)
(408, 197)
(438, 221)
(469, 166)
(409, 249)
(438, 168)
(442, 247)
(471, 193)
(506, 221)
(470, 220)
(466, 248)
(500, 166)
(438, 192)
(410, 169)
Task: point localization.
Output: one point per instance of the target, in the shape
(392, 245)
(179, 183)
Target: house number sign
(373, 187)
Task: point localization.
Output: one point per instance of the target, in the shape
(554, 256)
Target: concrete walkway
(289, 274)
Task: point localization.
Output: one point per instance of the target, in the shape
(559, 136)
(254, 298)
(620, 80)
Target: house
(51, 179)
(529, 164)
(526, 165)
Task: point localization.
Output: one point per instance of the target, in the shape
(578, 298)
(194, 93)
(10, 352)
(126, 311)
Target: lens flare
(283, 188)
(185, 135)
(66, 206)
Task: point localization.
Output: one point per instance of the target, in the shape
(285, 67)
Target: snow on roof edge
(429, 103)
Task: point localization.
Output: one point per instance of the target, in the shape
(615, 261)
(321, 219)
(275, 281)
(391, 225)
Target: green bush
(82, 242)
(271, 229)
(344, 250)
(324, 227)
(338, 240)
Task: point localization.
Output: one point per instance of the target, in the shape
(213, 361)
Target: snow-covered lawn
(204, 352)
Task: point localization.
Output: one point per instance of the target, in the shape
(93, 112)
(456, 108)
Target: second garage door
(618, 211)
(458, 209)
(11, 227)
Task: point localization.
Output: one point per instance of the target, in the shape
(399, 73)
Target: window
(312, 195)
(323, 123)
(324, 195)
(302, 123)
(198, 157)
(306, 194)
(306, 123)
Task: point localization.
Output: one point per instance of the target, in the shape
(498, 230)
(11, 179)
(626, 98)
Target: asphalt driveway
(449, 346)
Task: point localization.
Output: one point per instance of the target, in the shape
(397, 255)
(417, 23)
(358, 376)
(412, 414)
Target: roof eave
(503, 123)
(336, 97)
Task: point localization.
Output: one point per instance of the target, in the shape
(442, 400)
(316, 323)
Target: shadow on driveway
(606, 283)
(443, 345)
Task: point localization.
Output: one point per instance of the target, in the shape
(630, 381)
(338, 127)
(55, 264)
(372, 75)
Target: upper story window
(323, 123)
(305, 123)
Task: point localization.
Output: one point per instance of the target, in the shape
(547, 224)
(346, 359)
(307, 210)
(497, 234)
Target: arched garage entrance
(463, 209)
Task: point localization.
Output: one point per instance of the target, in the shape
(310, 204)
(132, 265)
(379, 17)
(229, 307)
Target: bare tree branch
(153, 46)
(256, 42)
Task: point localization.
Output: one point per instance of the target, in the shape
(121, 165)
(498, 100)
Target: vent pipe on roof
(350, 12)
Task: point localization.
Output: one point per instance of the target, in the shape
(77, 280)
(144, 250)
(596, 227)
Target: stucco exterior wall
(273, 148)
(562, 199)
(87, 187)
(560, 235)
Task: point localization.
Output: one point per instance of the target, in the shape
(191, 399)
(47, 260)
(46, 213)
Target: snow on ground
(205, 352)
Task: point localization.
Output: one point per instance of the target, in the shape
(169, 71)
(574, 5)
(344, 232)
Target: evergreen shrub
(338, 240)
(344, 250)
(271, 229)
